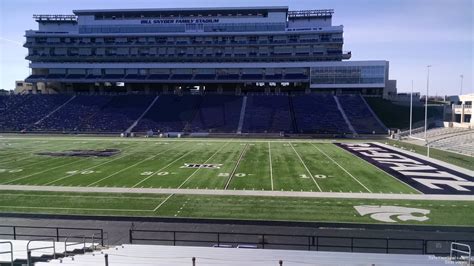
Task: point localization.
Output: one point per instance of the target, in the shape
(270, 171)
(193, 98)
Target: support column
(238, 90)
(176, 89)
(69, 88)
(267, 89)
(220, 89)
(42, 88)
(34, 88)
(307, 89)
(462, 113)
(278, 89)
(453, 114)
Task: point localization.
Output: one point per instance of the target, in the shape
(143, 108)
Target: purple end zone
(425, 176)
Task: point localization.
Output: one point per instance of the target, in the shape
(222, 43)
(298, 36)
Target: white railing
(8, 252)
(455, 249)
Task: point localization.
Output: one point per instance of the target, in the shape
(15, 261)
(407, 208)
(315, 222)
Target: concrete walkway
(262, 193)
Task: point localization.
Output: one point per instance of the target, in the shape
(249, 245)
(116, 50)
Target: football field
(111, 176)
(192, 164)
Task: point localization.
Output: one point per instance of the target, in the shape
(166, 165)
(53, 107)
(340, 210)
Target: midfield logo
(198, 165)
(385, 213)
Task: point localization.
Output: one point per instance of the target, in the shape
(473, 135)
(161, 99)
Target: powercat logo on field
(425, 176)
(388, 213)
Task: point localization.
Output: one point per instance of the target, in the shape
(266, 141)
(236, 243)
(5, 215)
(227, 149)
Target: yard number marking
(11, 171)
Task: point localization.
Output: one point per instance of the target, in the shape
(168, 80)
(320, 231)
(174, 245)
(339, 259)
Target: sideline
(257, 193)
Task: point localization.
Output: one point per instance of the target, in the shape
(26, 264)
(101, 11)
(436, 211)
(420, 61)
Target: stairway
(242, 115)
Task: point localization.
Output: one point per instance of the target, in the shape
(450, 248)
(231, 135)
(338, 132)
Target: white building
(461, 110)
(267, 49)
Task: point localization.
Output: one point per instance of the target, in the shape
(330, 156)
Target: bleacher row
(299, 114)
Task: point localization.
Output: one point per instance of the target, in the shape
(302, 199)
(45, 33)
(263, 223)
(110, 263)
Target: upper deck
(186, 20)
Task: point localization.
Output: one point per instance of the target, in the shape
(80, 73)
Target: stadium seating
(267, 113)
(440, 132)
(318, 114)
(139, 254)
(118, 114)
(171, 113)
(75, 116)
(210, 113)
(19, 112)
(459, 140)
(461, 143)
(218, 113)
(360, 116)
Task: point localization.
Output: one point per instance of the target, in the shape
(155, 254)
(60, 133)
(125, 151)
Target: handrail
(6, 252)
(468, 252)
(28, 249)
(309, 242)
(55, 232)
(75, 243)
(103, 236)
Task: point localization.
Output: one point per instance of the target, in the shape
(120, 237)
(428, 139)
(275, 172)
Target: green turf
(289, 165)
(463, 161)
(458, 213)
(240, 164)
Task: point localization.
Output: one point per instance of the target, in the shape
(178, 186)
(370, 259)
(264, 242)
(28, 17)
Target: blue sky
(409, 33)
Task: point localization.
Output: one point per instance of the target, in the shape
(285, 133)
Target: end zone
(427, 176)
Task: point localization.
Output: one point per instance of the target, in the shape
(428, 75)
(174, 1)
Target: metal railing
(57, 233)
(83, 243)
(456, 249)
(306, 242)
(6, 252)
(28, 249)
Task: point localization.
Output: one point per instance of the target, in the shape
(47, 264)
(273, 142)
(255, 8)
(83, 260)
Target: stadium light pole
(462, 77)
(411, 106)
(426, 99)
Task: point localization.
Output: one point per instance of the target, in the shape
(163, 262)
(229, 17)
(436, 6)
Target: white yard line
(236, 166)
(79, 196)
(46, 170)
(309, 172)
(29, 154)
(81, 209)
(189, 177)
(93, 167)
(340, 166)
(221, 192)
(133, 165)
(271, 168)
(163, 202)
(163, 168)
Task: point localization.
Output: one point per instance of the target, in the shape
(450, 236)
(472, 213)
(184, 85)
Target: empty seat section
(360, 116)
(74, 116)
(318, 114)
(118, 114)
(171, 113)
(267, 113)
(22, 111)
(218, 113)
